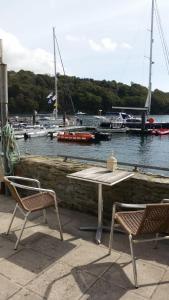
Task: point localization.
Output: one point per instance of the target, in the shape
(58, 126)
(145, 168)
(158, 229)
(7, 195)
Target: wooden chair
(152, 219)
(40, 199)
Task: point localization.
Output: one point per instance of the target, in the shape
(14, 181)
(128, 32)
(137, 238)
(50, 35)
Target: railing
(134, 166)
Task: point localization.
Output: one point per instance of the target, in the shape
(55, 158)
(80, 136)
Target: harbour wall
(81, 195)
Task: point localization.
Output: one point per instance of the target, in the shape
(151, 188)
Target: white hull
(37, 133)
(113, 130)
(19, 134)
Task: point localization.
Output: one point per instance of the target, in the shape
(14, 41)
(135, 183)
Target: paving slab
(146, 251)
(32, 227)
(24, 265)
(26, 294)
(6, 247)
(103, 290)
(7, 288)
(162, 290)
(156, 256)
(49, 245)
(51, 217)
(77, 220)
(90, 257)
(121, 274)
(7, 204)
(62, 281)
(5, 220)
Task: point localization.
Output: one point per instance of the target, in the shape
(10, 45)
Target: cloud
(107, 45)
(95, 46)
(125, 45)
(17, 57)
(71, 38)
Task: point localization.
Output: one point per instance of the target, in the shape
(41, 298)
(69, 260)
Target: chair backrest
(13, 190)
(155, 219)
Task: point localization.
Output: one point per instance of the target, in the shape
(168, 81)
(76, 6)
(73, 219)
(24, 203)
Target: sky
(97, 39)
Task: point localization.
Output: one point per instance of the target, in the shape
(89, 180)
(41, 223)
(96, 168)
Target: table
(101, 176)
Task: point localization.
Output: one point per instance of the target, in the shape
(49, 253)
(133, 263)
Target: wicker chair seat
(37, 201)
(130, 220)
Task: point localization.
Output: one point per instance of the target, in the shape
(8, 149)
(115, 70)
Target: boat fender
(151, 120)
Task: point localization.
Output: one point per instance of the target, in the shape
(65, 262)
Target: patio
(44, 267)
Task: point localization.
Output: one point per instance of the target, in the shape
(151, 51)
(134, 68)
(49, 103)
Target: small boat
(19, 136)
(75, 137)
(36, 133)
(101, 136)
(160, 131)
(80, 113)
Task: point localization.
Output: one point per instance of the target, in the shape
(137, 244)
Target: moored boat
(75, 137)
(160, 131)
(80, 113)
(102, 136)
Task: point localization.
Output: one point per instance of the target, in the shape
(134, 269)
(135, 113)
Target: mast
(148, 100)
(56, 94)
(64, 73)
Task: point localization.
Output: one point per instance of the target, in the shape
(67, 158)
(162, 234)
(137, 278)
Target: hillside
(28, 92)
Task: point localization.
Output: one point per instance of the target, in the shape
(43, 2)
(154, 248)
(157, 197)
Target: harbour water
(136, 149)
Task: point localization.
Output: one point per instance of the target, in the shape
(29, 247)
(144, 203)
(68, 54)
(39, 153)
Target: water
(135, 149)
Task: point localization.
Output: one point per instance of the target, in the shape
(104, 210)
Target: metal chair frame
(27, 213)
(133, 240)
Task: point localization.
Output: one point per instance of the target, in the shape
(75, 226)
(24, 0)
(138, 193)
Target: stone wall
(81, 195)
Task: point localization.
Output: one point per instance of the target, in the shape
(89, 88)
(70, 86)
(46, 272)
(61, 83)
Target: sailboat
(162, 130)
(146, 126)
(56, 94)
(148, 100)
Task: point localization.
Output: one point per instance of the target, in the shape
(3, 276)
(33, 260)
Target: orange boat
(75, 137)
(160, 131)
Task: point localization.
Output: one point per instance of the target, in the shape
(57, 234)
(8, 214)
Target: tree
(28, 92)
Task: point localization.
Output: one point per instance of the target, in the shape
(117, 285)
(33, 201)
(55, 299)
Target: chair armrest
(126, 205)
(24, 179)
(165, 201)
(32, 188)
(130, 205)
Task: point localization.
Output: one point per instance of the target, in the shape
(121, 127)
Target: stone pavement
(44, 267)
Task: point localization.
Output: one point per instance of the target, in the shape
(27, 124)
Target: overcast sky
(98, 39)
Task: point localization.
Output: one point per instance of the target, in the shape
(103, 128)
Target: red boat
(160, 131)
(75, 137)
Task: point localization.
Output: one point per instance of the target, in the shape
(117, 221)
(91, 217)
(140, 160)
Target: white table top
(101, 175)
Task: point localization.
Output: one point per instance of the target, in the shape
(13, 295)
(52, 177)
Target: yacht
(116, 120)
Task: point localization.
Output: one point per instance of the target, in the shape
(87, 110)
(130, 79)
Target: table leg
(100, 214)
(99, 228)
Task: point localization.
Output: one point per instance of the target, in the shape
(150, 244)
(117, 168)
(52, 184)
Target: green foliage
(28, 91)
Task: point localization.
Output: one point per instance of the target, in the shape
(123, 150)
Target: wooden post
(3, 102)
(3, 94)
(1, 58)
(143, 118)
(34, 117)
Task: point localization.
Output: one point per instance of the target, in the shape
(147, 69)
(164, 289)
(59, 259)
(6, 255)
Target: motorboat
(67, 136)
(80, 113)
(101, 136)
(117, 120)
